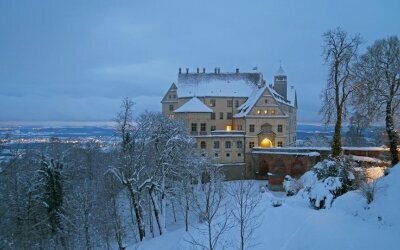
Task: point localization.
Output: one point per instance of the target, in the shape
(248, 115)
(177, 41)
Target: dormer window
(212, 102)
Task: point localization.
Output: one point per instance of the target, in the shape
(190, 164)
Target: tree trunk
(156, 211)
(337, 140)
(138, 213)
(393, 138)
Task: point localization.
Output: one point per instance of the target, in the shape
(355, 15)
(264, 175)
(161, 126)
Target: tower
(280, 82)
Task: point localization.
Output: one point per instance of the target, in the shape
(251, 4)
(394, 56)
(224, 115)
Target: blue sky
(76, 60)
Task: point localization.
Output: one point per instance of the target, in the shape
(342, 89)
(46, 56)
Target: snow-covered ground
(349, 224)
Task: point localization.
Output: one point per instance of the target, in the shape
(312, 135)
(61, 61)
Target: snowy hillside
(349, 224)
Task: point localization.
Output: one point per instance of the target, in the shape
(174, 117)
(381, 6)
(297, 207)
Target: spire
(295, 99)
(280, 70)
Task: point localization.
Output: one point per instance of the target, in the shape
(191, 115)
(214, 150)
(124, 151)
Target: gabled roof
(250, 102)
(218, 84)
(194, 105)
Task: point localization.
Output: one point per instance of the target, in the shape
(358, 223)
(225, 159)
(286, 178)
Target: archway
(266, 143)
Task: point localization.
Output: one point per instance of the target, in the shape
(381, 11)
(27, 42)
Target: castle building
(229, 114)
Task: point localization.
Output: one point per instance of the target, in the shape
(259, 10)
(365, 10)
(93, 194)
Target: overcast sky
(76, 60)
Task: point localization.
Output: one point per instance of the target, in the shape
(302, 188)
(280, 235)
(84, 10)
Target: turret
(280, 82)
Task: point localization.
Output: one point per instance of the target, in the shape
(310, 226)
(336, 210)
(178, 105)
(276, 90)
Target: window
(229, 103)
(273, 111)
(228, 127)
(203, 127)
(216, 155)
(213, 127)
(212, 102)
(280, 128)
(228, 154)
(251, 128)
(265, 111)
(228, 144)
(239, 127)
(229, 115)
(171, 107)
(221, 115)
(239, 144)
(203, 145)
(280, 144)
(258, 111)
(265, 100)
(239, 154)
(169, 96)
(251, 144)
(216, 144)
(171, 117)
(212, 116)
(174, 96)
(194, 127)
(236, 103)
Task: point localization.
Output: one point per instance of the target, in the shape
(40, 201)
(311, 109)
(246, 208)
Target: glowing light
(266, 143)
(229, 128)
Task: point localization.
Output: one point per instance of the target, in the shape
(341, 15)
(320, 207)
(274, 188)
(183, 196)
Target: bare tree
(211, 209)
(340, 52)
(378, 70)
(245, 202)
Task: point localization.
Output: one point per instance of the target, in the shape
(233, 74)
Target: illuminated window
(273, 111)
(265, 111)
(258, 111)
(212, 103)
(229, 128)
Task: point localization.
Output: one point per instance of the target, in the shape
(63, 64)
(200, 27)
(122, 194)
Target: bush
(368, 190)
(291, 185)
(335, 177)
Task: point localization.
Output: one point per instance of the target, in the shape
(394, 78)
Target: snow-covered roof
(219, 85)
(194, 105)
(280, 72)
(250, 102)
(290, 96)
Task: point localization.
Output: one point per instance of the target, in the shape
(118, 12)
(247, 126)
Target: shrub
(335, 177)
(291, 185)
(368, 190)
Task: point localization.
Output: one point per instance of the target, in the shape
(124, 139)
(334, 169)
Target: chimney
(237, 70)
(198, 71)
(215, 70)
(204, 70)
(180, 71)
(187, 71)
(219, 70)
